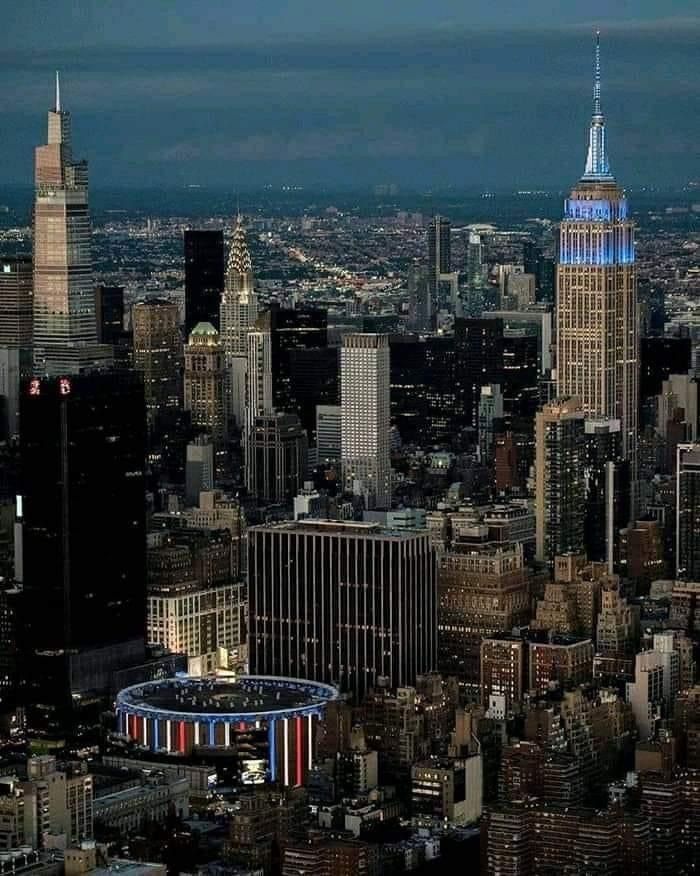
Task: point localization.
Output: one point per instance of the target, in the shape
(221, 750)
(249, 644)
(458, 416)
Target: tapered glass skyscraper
(597, 336)
(65, 327)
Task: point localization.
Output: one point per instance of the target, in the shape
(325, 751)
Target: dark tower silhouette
(204, 277)
(84, 539)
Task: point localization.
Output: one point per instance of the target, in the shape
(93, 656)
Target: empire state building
(597, 335)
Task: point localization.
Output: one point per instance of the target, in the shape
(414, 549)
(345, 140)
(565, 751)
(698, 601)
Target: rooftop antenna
(596, 77)
(58, 93)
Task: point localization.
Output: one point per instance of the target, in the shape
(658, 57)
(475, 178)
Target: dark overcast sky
(422, 92)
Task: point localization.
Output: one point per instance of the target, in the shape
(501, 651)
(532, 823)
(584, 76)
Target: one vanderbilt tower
(65, 329)
(597, 337)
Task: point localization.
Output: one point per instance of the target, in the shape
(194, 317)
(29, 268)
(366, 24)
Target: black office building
(304, 370)
(204, 277)
(661, 357)
(422, 389)
(439, 246)
(652, 307)
(314, 381)
(440, 393)
(543, 268)
(521, 391)
(478, 362)
(109, 310)
(84, 540)
(409, 377)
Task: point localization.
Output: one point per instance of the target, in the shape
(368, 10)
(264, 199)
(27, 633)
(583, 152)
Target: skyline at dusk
(350, 438)
(443, 98)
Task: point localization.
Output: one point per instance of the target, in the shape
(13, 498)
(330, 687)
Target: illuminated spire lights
(239, 268)
(597, 166)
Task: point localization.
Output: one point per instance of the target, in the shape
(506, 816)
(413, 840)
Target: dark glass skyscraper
(439, 264)
(423, 389)
(439, 247)
(478, 362)
(84, 539)
(204, 277)
(109, 308)
(662, 357)
(304, 370)
(314, 376)
(543, 269)
(16, 334)
(16, 302)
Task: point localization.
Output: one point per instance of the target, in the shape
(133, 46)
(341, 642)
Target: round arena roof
(247, 698)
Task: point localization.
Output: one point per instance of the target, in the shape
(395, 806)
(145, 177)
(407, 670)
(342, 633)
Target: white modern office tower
(65, 325)
(259, 376)
(366, 417)
(238, 312)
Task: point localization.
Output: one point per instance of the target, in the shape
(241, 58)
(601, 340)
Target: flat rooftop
(225, 695)
(361, 529)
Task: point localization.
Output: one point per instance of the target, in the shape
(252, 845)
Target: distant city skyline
(433, 96)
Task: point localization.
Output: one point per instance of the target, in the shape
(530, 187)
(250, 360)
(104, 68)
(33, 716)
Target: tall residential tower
(597, 335)
(65, 326)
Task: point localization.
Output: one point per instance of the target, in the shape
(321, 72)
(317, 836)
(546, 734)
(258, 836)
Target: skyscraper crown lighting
(597, 340)
(597, 165)
(239, 261)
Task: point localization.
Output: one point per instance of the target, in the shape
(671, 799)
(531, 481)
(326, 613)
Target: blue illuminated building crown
(596, 230)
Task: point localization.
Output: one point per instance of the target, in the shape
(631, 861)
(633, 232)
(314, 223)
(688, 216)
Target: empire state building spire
(597, 166)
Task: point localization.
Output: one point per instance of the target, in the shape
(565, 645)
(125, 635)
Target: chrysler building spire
(237, 315)
(239, 269)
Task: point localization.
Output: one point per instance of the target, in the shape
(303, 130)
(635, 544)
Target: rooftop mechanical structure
(268, 716)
